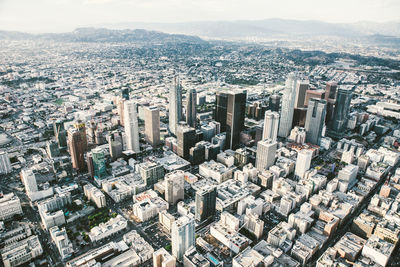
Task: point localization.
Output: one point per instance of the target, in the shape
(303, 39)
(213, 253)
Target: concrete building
(288, 102)
(182, 236)
(115, 145)
(341, 112)
(161, 258)
(5, 164)
(28, 178)
(186, 136)
(63, 244)
(148, 205)
(131, 126)
(109, 228)
(151, 172)
(205, 203)
(303, 162)
(175, 105)
(77, 148)
(152, 125)
(266, 150)
(271, 123)
(174, 186)
(193, 258)
(378, 250)
(10, 205)
(301, 89)
(21, 252)
(94, 194)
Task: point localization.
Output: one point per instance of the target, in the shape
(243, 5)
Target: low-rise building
(94, 194)
(104, 230)
(62, 242)
(21, 252)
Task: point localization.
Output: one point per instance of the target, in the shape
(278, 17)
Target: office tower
(191, 107)
(115, 144)
(299, 117)
(312, 93)
(342, 110)
(182, 235)
(298, 135)
(152, 125)
(186, 136)
(125, 93)
(99, 136)
(301, 89)
(52, 149)
(330, 91)
(330, 96)
(5, 163)
(76, 149)
(205, 203)
(315, 120)
(175, 105)
(289, 97)
(274, 103)
(81, 127)
(303, 162)
(60, 133)
(90, 132)
(28, 178)
(197, 154)
(230, 113)
(121, 104)
(99, 162)
(271, 123)
(174, 187)
(89, 162)
(131, 126)
(266, 150)
(161, 258)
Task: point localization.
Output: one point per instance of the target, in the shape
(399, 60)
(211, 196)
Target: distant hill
(105, 35)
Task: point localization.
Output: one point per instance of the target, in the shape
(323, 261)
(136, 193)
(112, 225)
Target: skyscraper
(131, 126)
(175, 105)
(191, 107)
(115, 144)
(230, 113)
(76, 149)
(301, 89)
(289, 97)
(125, 93)
(99, 162)
(303, 162)
(271, 123)
(152, 125)
(182, 235)
(60, 133)
(186, 136)
(174, 186)
(81, 127)
(330, 96)
(205, 203)
(312, 93)
(274, 103)
(342, 110)
(28, 178)
(315, 120)
(265, 157)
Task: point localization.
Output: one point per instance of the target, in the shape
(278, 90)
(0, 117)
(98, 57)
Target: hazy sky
(66, 15)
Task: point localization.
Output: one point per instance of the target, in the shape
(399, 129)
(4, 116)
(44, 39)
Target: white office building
(303, 162)
(131, 126)
(183, 236)
(271, 123)
(288, 101)
(266, 150)
(5, 164)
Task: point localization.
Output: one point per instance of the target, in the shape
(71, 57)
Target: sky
(39, 16)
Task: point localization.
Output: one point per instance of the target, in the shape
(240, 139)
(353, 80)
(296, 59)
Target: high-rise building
(161, 258)
(230, 113)
(28, 178)
(315, 120)
(303, 162)
(76, 149)
(5, 163)
(174, 186)
(274, 103)
(330, 96)
(271, 123)
(60, 133)
(186, 139)
(125, 93)
(313, 93)
(289, 97)
(120, 106)
(131, 126)
(152, 125)
(205, 203)
(99, 162)
(81, 127)
(175, 105)
(265, 157)
(115, 144)
(182, 235)
(191, 107)
(342, 110)
(301, 89)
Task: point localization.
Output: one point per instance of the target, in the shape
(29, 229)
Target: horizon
(55, 16)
